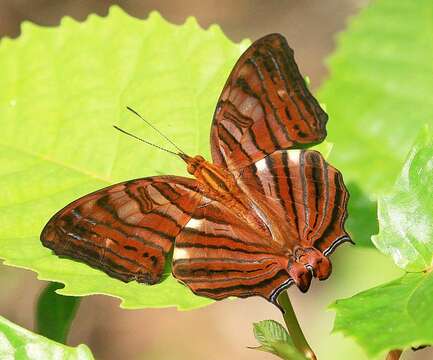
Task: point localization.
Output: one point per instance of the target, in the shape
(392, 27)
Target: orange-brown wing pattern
(217, 255)
(127, 229)
(310, 193)
(264, 106)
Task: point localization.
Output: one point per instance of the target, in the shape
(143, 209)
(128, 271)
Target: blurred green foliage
(378, 96)
(55, 313)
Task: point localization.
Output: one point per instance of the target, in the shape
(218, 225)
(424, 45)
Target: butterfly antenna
(146, 142)
(156, 129)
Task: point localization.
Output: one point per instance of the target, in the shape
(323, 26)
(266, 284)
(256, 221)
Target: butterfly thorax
(220, 185)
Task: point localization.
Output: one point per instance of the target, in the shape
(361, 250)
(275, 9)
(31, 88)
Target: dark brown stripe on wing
(262, 285)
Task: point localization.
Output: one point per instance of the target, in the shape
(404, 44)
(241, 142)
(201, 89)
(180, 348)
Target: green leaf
(406, 214)
(22, 344)
(274, 338)
(378, 97)
(396, 315)
(55, 313)
(399, 314)
(61, 90)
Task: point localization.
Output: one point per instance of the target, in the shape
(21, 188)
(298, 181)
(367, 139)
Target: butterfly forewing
(217, 255)
(265, 106)
(307, 191)
(127, 229)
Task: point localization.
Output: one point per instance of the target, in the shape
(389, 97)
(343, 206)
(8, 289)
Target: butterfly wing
(217, 255)
(264, 106)
(127, 229)
(309, 192)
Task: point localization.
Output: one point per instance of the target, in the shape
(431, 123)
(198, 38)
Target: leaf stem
(394, 355)
(293, 326)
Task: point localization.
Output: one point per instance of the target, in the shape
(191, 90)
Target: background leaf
(55, 313)
(61, 90)
(399, 315)
(406, 214)
(378, 98)
(274, 338)
(22, 344)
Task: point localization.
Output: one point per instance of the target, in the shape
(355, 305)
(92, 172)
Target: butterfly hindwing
(217, 255)
(264, 106)
(127, 229)
(307, 190)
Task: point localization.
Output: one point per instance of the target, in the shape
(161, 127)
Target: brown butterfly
(265, 214)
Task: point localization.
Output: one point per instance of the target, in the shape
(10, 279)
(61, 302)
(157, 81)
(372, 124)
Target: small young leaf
(406, 214)
(55, 313)
(274, 338)
(22, 344)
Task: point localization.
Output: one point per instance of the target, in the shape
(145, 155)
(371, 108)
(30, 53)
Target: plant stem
(293, 327)
(394, 355)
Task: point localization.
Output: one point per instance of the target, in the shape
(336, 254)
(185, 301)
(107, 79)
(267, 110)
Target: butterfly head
(193, 163)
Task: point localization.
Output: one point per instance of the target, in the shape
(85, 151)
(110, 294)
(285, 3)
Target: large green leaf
(61, 90)
(22, 344)
(378, 97)
(399, 314)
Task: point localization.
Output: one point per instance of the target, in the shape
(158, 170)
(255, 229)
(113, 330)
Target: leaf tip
(215, 29)
(115, 9)
(191, 22)
(155, 16)
(68, 20)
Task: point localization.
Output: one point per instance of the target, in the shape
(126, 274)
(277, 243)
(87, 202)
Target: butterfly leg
(315, 260)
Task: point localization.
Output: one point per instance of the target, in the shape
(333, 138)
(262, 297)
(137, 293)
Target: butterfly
(265, 214)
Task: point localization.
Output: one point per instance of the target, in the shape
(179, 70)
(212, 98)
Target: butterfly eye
(191, 168)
